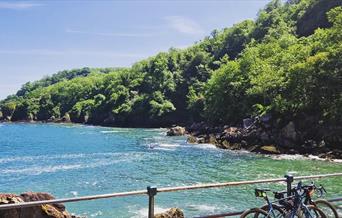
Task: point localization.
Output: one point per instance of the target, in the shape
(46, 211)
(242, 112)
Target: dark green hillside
(287, 63)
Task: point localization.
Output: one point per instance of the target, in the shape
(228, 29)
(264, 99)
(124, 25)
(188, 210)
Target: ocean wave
(113, 131)
(154, 130)
(205, 146)
(203, 208)
(37, 170)
(143, 212)
(301, 157)
(168, 145)
(98, 213)
(164, 149)
(66, 156)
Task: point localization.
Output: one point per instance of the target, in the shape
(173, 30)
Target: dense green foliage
(270, 65)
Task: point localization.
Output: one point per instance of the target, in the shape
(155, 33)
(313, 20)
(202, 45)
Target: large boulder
(176, 131)
(43, 211)
(171, 213)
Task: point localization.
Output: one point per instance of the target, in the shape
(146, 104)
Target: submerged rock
(171, 213)
(43, 211)
(176, 131)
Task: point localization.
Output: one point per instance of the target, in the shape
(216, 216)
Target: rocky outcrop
(171, 213)
(176, 131)
(43, 211)
(263, 135)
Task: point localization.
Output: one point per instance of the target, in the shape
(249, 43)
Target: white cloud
(184, 25)
(17, 5)
(47, 52)
(109, 34)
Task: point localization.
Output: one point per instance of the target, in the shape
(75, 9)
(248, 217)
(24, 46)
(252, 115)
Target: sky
(39, 38)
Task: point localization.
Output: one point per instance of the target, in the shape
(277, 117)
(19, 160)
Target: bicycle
(296, 207)
(290, 207)
(322, 204)
(269, 210)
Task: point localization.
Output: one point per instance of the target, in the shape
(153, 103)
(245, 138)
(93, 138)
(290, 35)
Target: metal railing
(153, 191)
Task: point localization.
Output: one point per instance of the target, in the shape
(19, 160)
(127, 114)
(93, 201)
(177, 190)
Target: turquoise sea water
(76, 160)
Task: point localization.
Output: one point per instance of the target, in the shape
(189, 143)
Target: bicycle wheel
(310, 211)
(254, 213)
(277, 210)
(314, 212)
(327, 208)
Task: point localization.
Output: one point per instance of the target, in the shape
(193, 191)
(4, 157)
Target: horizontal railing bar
(166, 189)
(65, 200)
(335, 199)
(218, 185)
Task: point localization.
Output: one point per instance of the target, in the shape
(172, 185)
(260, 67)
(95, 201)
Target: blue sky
(39, 38)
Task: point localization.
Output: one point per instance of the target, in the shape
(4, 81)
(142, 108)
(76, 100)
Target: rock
(52, 119)
(1, 115)
(30, 117)
(231, 131)
(212, 139)
(269, 149)
(66, 118)
(201, 140)
(171, 213)
(264, 137)
(289, 131)
(176, 131)
(192, 139)
(43, 211)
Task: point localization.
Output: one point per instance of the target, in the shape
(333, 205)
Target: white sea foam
(301, 157)
(112, 131)
(74, 193)
(98, 213)
(164, 149)
(167, 145)
(205, 146)
(203, 208)
(66, 156)
(37, 170)
(142, 212)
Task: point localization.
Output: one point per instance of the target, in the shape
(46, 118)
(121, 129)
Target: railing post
(151, 191)
(289, 180)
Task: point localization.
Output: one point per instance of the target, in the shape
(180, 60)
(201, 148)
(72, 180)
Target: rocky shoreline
(258, 136)
(43, 211)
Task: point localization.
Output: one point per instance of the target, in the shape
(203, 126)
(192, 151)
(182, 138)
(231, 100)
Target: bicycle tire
(318, 212)
(301, 214)
(320, 203)
(280, 212)
(255, 213)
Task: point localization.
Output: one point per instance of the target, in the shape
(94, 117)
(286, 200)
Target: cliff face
(43, 211)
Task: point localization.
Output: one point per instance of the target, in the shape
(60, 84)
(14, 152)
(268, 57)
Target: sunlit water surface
(76, 160)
